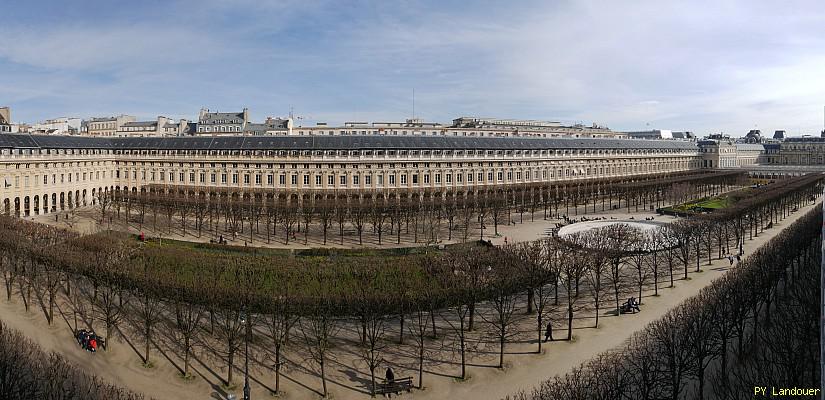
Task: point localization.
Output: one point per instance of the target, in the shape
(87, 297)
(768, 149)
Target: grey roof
(749, 146)
(140, 123)
(811, 139)
(252, 127)
(331, 143)
(213, 117)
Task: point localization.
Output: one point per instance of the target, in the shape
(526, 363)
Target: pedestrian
(505, 240)
(390, 376)
(738, 259)
(93, 344)
(730, 259)
(548, 333)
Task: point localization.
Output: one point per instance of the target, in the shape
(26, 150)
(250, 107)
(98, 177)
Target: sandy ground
(347, 375)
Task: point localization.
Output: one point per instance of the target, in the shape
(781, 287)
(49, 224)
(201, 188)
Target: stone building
(5, 120)
(44, 174)
(106, 126)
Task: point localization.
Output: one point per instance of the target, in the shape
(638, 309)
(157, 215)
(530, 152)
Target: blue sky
(706, 66)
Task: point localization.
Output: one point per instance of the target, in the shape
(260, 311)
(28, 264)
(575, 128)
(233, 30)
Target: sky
(704, 66)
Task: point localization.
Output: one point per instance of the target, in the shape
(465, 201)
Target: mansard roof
(331, 143)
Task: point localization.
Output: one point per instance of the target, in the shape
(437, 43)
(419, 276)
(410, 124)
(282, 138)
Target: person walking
(390, 376)
(548, 332)
(730, 259)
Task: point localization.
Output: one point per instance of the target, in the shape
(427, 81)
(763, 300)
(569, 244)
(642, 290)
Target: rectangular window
(270, 179)
(380, 180)
(212, 178)
(368, 180)
(45, 179)
(306, 180)
(450, 178)
(490, 176)
(330, 180)
(392, 180)
(192, 177)
(426, 178)
(234, 179)
(437, 178)
(223, 179)
(403, 179)
(415, 179)
(282, 179)
(317, 180)
(258, 179)
(343, 180)
(294, 179)
(500, 175)
(355, 180)
(202, 177)
(246, 179)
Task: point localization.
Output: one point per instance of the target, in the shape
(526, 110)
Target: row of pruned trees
(28, 372)
(756, 326)
(422, 216)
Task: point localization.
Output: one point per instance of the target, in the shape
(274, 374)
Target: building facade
(5, 120)
(722, 152)
(43, 174)
(222, 123)
(798, 151)
(461, 127)
(57, 126)
(106, 126)
(161, 127)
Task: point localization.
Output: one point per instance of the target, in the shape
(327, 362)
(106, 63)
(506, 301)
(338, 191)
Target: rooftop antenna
(413, 105)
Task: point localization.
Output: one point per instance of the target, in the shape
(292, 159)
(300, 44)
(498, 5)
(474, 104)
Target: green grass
(705, 204)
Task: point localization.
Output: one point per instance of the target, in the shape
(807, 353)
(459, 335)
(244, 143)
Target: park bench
(396, 386)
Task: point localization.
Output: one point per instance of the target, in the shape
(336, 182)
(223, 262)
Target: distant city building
(106, 126)
(5, 120)
(57, 126)
(461, 127)
(720, 151)
(660, 134)
(779, 135)
(753, 136)
(222, 123)
(806, 150)
(272, 126)
(161, 127)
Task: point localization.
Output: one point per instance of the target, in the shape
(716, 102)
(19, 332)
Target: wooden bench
(396, 386)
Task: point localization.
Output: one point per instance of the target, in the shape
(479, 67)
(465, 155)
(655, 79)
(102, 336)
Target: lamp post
(245, 321)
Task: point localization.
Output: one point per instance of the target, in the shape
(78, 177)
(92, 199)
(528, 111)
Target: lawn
(707, 204)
